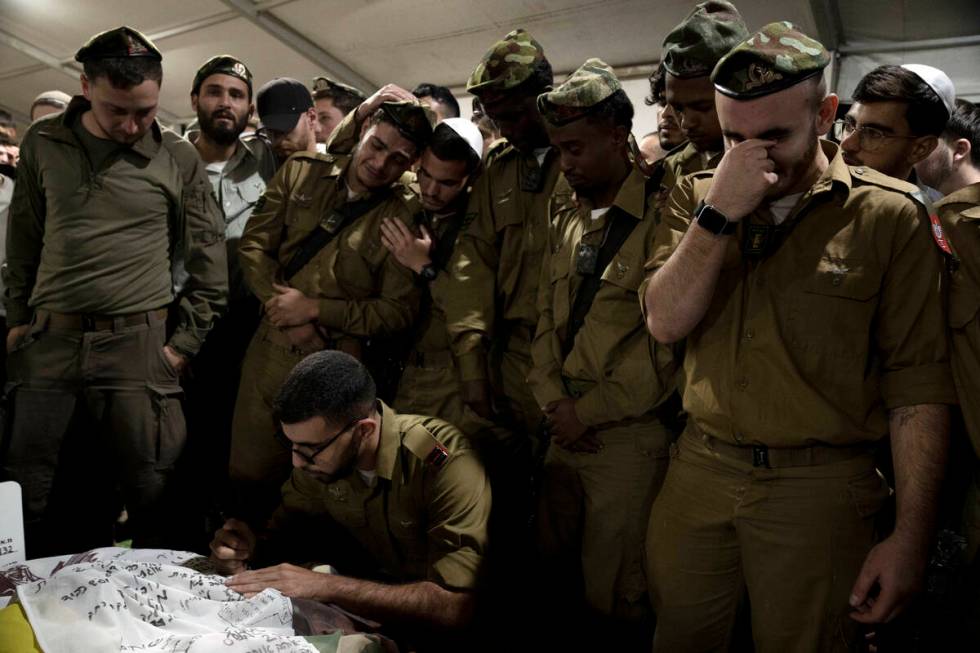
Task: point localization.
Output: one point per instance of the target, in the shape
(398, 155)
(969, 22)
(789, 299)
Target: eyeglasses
(317, 450)
(869, 138)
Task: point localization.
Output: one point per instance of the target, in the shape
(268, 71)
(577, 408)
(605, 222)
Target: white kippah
(937, 81)
(468, 132)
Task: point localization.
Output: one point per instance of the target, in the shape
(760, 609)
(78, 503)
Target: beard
(220, 133)
(344, 467)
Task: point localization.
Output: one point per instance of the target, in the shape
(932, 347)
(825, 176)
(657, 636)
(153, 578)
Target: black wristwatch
(428, 273)
(710, 218)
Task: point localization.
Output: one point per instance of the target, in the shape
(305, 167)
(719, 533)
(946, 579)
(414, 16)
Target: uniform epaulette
(872, 176)
(315, 156)
(499, 149)
(914, 193)
(420, 441)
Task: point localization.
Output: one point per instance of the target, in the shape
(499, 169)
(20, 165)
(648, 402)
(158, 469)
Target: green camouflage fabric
(326, 87)
(116, 44)
(223, 64)
(506, 65)
(584, 90)
(774, 58)
(413, 120)
(707, 34)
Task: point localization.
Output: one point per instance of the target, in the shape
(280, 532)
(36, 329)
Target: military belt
(774, 458)
(431, 359)
(92, 322)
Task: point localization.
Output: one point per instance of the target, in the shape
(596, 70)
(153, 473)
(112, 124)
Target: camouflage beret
(413, 120)
(223, 64)
(118, 43)
(774, 58)
(322, 86)
(707, 34)
(506, 65)
(584, 90)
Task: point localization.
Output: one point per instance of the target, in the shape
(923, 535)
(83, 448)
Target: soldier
(954, 170)
(49, 102)
(690, 53)
(104, 198)
(312, 254)
(592, 372)
(669, 134)
(333, 101)
(397, 503)
(439, 98)
(288, 119)
(896, 119)
(447, 169)
(807, 294)
(495, 267)
(238, 167)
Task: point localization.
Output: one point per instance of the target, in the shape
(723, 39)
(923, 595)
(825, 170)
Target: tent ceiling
(408, 41)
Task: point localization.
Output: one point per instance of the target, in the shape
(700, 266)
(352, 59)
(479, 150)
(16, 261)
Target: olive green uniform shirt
(101, 240)
(845, 321)
(960, 214)
(497, 260)
(424, 519)
(362, 291)
(609, 364)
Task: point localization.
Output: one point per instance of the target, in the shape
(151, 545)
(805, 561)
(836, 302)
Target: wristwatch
(710, 218)
(428, 273)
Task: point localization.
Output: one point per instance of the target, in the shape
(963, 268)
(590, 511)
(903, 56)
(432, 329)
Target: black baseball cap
(280, 103)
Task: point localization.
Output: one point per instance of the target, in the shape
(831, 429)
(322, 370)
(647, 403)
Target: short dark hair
(6, 139)
(616, 110)
(658, 87)
(343, 99)
(447, 145)
(6, 119)
(965, 123)
(440, 94)
(124, 72)
(924, 110)
(328, 384)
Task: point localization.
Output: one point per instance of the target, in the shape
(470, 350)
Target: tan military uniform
(430, 382)
(424, 519)
(960, 213)
(790, 375)
(362, 292)
(90, 253)
(598, 504)
(495, 270)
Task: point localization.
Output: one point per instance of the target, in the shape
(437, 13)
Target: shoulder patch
(420, 441)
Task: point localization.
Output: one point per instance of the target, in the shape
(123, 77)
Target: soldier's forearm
(920, 442)
(413, 603)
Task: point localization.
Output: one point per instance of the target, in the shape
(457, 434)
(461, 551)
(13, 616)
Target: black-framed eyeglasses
(869, 138)
(316, 450)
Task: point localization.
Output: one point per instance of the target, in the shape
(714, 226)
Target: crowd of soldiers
(710, 379)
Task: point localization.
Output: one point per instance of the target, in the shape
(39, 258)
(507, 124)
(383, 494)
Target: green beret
(707, 34)
(323, 86)
(580, 94)
(116, 44)
(506, 65)
(774, 58)
(413, 120)
(223, 64)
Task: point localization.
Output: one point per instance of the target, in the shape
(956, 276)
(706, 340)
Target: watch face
(428, 273)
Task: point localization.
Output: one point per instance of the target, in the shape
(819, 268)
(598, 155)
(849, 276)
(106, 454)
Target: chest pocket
(617, 301)
(558, 275)
(964, 300)
(835, 311)
(360, 256)
(250, 191)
